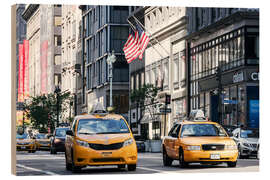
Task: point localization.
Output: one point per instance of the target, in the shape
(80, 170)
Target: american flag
(144, 40)
(135, 45)
(131, 47)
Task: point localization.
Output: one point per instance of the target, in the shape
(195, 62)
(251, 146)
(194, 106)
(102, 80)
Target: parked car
(58, 140)
(25, 143)
(98, 139)
(198, 140)
(247, 140)
(43, 141)
(140, 144)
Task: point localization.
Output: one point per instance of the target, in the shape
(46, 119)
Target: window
(57, 60)
(57, 21)
(57, 40)
(119, 36)
(252, 43)
(176, 68)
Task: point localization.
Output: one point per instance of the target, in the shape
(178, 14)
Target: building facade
(70, 63)
(105, 29)
(223, 68)
(164, 67)
(43, 33)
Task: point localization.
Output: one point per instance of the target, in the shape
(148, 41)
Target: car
(25, 143)
(58, 140)
(140, 144)
(197, 140)
(247, 140)
(43, 141)
(100, 138)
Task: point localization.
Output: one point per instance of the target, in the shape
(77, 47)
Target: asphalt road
(43, 163)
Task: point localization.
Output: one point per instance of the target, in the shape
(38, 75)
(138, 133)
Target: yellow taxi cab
(25, 143)
(100, 138)
(43, 142)
(198, 140)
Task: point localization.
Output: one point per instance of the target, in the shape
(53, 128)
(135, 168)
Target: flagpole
(133, 28)
(150, 35)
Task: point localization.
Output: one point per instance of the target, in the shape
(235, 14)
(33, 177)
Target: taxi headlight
(231, 147)
(82, 143)
(128, 142)
(193, 148)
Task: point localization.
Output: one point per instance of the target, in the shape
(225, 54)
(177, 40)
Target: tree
(146, 98)
(42, 110)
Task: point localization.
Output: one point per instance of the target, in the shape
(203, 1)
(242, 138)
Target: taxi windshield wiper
(87, 133)
(108, 132)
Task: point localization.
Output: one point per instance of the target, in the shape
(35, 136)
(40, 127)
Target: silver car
(247, 141)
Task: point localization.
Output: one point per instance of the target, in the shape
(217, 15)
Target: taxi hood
(206, 140)
(104, 138)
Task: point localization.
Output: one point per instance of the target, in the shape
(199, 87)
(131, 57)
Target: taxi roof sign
(99, 109)
(197, 115)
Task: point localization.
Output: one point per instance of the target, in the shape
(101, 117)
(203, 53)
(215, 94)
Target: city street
(43, 163)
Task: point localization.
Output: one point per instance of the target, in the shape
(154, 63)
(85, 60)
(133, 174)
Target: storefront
(233, 97)
(240, 97)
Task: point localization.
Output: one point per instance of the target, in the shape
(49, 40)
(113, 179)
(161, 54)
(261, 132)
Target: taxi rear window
(102, 126)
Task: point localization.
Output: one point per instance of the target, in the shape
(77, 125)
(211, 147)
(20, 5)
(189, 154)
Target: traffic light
(218, 74)
(168, 99)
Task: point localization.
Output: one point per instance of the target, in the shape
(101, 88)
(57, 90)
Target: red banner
(44, 53)
(20, 74)
(26, 68)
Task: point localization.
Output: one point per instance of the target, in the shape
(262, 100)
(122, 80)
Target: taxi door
(175, 142)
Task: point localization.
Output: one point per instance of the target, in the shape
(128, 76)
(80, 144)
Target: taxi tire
(74, 168)
(182, 162)
(132, 167)
(167, 161)
(232, 163)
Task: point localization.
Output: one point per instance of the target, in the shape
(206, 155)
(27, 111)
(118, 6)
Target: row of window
(98, 17)
(227, 51)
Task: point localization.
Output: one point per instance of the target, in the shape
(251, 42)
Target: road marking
(150, 169)
(34, 169)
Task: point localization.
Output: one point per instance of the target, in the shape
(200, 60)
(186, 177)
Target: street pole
(57, 91)
(110, 60)
(220, 98)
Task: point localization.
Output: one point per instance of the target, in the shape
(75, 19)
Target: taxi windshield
(202, 130)
(249, 134)
(102, 126)
(22, 136)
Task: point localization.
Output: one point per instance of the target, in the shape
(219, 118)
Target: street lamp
(110, 60)
(57, 92)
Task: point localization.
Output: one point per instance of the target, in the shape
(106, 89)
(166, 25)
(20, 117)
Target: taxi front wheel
(132, 167)
(182, 162)
(232, 164)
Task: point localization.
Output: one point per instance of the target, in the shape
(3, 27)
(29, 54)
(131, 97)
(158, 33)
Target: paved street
(43, 163)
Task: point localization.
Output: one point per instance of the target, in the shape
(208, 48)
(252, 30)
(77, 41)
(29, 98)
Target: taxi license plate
(214, 156)
(106, 154)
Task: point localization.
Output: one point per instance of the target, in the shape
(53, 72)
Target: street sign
(162, 110)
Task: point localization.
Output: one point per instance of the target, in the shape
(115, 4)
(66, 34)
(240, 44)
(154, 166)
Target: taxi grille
(107, 160)
(106, 147)
(213, 147)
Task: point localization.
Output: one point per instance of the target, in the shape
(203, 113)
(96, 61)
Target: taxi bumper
(25, 147)
(84, 156)
(210, 156)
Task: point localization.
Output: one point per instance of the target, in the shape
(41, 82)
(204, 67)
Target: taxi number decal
(23, 147)
(214, 156)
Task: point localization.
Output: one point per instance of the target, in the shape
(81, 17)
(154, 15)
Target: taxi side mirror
(69, 132)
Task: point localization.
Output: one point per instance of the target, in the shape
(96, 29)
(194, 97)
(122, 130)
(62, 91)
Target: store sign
(238, 77)
(255, 76)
